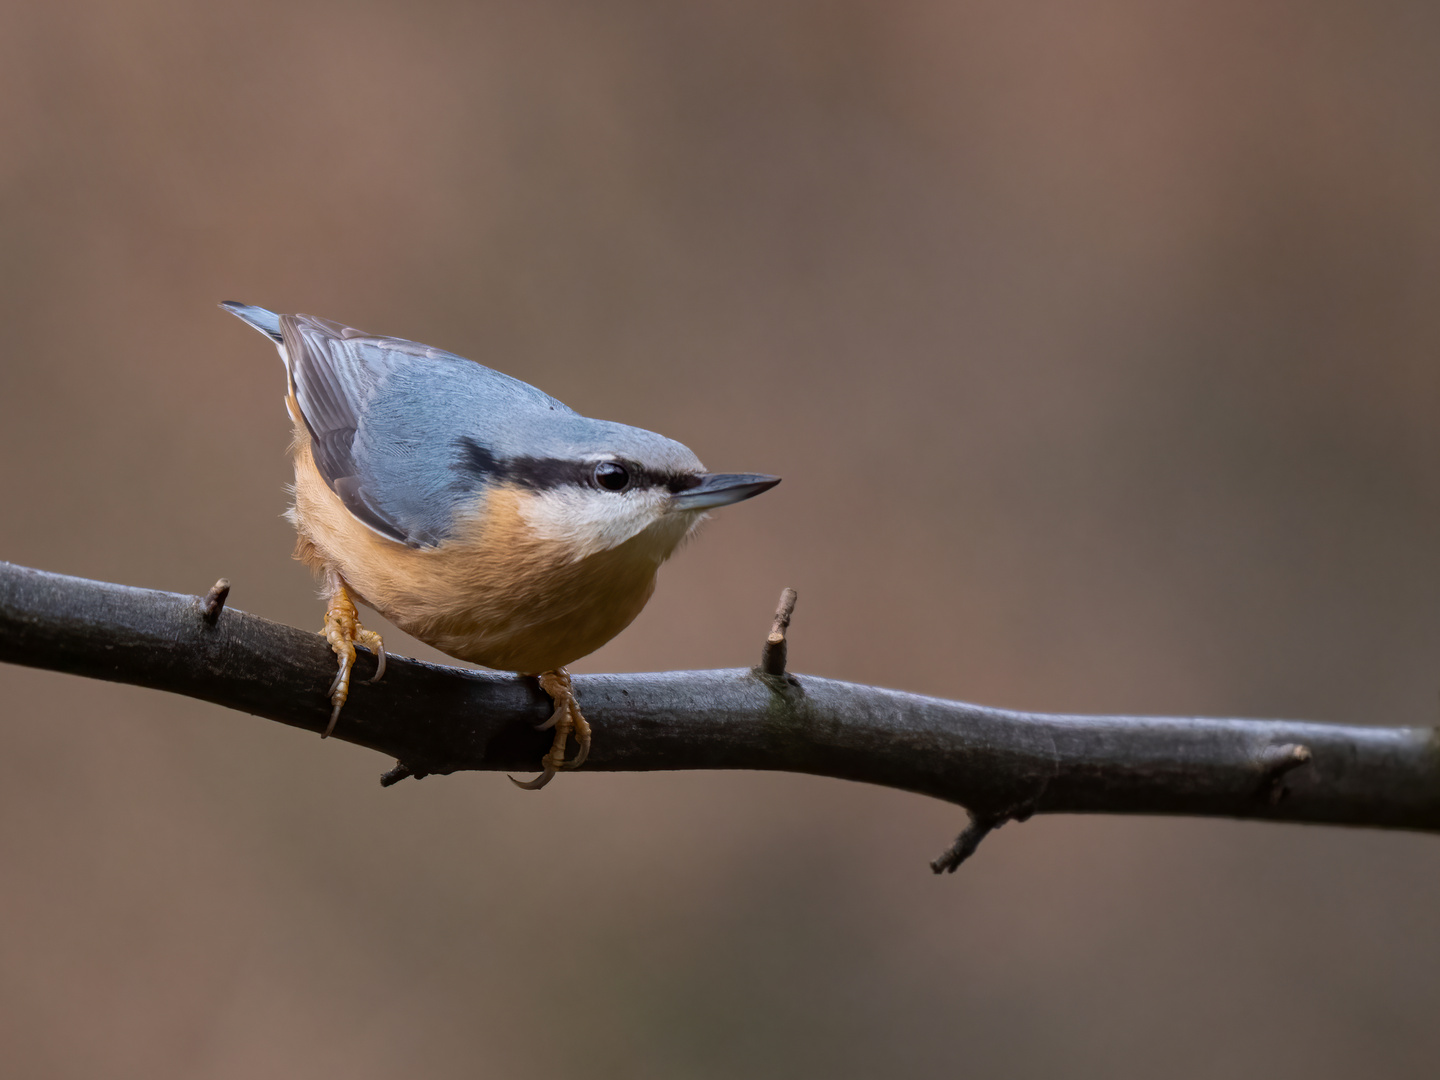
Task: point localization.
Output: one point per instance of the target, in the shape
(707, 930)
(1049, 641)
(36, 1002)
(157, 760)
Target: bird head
(592, 485)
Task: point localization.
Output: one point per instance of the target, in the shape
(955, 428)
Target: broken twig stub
(214, 601)
(773, 655)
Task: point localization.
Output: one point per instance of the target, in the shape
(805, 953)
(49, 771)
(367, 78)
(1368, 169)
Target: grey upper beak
(722, 489)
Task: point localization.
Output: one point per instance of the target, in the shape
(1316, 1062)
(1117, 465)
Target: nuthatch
(474, 511)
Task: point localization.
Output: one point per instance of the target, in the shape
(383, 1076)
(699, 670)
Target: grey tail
(267, 322)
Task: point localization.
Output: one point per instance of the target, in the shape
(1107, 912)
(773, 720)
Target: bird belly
(541, 629)
(493, 593)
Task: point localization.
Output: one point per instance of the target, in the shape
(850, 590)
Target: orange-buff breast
(494, 593)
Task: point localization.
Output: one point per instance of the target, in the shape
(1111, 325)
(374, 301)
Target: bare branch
(1000, 765)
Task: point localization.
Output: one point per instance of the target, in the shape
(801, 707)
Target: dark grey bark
(999, 765)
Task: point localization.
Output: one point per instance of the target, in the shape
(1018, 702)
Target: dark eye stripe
(677, 482)
(476, 465)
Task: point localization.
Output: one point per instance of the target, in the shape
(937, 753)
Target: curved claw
(581, 754)
(582, 735)
(334, 716)
(548, 724)
(536, 784)
(379, 649)
(341, 675)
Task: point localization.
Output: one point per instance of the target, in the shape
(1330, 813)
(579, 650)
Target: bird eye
(612, 476)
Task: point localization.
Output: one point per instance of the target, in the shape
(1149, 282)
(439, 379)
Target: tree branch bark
(998, 764)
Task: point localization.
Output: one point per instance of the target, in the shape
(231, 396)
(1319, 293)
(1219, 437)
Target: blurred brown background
(1096, 343)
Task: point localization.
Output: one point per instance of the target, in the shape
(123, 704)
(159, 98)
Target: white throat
(586, 522)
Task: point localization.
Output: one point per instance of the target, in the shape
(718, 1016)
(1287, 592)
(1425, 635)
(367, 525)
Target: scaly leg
(344, 632)
(567, 719)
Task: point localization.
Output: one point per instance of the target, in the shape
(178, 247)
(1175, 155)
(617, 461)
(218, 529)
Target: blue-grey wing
(387, 418)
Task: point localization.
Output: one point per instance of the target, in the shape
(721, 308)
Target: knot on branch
(1275, 763)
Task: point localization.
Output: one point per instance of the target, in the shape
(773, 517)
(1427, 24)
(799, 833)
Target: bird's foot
(566, 720)
(343, 631)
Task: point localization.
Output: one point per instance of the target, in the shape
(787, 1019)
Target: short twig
(395, 775)
(966, 843)
(214, 601)
(1275, 763)
(772, 657)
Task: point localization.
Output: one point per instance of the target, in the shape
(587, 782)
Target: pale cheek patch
(585, 522)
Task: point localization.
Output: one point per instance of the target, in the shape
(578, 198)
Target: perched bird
(474, 511)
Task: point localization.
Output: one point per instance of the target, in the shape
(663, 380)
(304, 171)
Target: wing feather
(336, 372)
(390, 420)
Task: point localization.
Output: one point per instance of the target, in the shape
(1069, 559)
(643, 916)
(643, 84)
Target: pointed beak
(722, 489)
